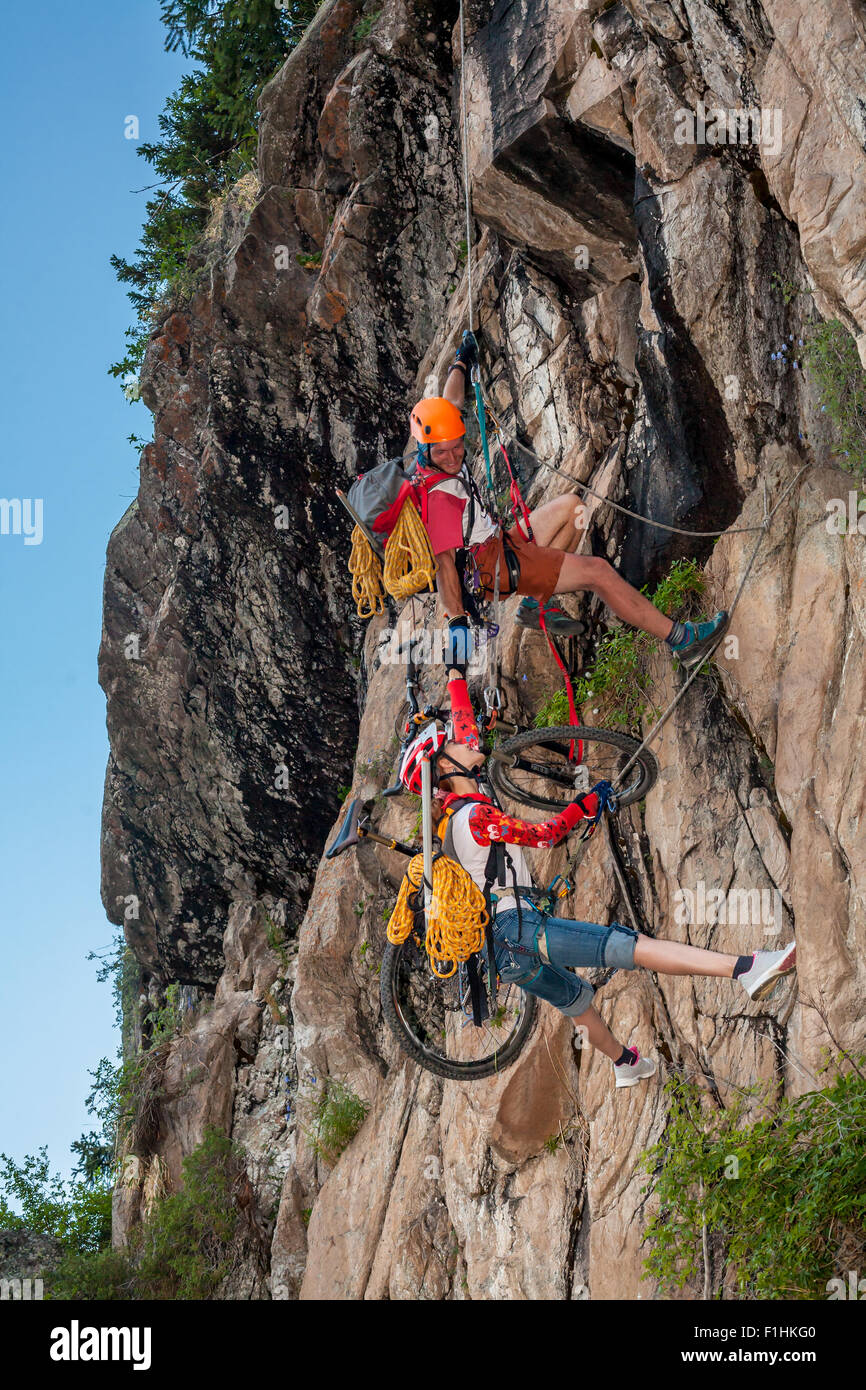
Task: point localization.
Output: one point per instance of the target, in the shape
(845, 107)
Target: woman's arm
(488, 824)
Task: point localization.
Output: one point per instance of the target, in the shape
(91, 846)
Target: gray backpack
(377, 498)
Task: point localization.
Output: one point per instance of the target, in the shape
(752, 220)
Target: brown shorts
(539, 566)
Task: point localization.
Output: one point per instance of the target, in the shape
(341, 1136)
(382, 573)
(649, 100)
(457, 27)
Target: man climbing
(457, 520)
(532, 947)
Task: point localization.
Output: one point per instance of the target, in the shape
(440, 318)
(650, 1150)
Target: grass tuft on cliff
(832, 358)
(337, 1116)
(619, 681)
(187, 1244)
(780, 1203)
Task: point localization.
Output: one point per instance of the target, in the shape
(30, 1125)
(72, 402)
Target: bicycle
(431, 1017)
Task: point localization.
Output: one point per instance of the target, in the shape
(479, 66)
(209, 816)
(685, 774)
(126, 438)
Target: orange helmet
(435, 420)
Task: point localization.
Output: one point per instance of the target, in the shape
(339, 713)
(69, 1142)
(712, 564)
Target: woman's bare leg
(675, 958)
(597, 1032)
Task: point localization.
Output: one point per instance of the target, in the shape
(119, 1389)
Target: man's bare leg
(593, 573)
(553, 523)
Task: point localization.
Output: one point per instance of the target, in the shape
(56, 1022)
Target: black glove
(467, 353)
(458, 649)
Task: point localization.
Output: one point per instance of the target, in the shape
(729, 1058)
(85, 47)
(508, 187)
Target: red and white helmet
(431, 738)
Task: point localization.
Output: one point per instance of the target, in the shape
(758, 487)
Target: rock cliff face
(628, 286)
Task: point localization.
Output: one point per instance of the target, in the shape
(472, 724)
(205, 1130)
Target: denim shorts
(568, 943)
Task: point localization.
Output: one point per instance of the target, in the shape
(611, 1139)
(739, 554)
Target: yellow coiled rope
(409, 564)
(457, 916)
(409, 561)
(365, 568)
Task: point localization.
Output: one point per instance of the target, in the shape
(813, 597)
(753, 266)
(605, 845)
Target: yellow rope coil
(365, 568)
(457, 916)
(409, 561)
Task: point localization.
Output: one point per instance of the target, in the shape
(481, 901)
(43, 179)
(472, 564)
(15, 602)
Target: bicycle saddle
(349, 833)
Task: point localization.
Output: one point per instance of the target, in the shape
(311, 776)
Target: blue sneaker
(701, 638)
(558, 623)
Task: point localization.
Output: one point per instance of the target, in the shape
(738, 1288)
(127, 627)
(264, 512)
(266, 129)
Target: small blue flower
(795, 365)
(790, 337)
(772, 357)
(823, 407)
(784, 347)
(799, 342)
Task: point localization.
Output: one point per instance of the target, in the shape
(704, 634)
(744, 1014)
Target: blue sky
(71, 74)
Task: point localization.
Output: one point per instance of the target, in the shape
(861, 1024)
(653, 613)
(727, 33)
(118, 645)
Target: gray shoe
(630, 1073)
(767, 969)
(558, 623)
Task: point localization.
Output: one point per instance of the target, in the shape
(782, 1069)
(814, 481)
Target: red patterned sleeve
(465, 728)
(488, 823)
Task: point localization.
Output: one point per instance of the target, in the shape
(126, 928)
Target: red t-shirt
(446, 504)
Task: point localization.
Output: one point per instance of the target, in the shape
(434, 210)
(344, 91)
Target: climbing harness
(456, 918)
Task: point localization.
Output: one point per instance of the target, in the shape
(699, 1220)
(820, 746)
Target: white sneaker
(630, 1073)
(767, 969)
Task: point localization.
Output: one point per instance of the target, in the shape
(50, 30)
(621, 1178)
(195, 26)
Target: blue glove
(459, 647)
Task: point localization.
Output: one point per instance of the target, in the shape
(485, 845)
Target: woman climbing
(532, 947)
(456, 519)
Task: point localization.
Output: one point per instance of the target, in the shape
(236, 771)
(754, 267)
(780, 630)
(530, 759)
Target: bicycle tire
(642, 776)
(396, 1016)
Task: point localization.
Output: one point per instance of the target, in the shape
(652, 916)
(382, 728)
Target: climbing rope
(456, 917)
(514, 443)
(409, 562)
(466, 193)
(366, 570)
(660, 723)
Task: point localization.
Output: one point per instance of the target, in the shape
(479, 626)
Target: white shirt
(473, 857)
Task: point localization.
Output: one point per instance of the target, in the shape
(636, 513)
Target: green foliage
(785, 1196)
(275, 938)
(832, 359)
(76, 1213)
(186, 1245)
(337, 1116)
(787, 288)
(309, 262)
(620, 677)
(362, 29)
(208, 132)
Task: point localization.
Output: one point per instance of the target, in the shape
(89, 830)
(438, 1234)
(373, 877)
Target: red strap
(517, 501)
(387, 520)
(462, 796)
(423, 485)
(572, 710)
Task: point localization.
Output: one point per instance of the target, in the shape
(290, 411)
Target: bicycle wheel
(543, 774)
(432, 1018)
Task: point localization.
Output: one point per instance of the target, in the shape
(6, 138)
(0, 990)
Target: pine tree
(209, 134)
